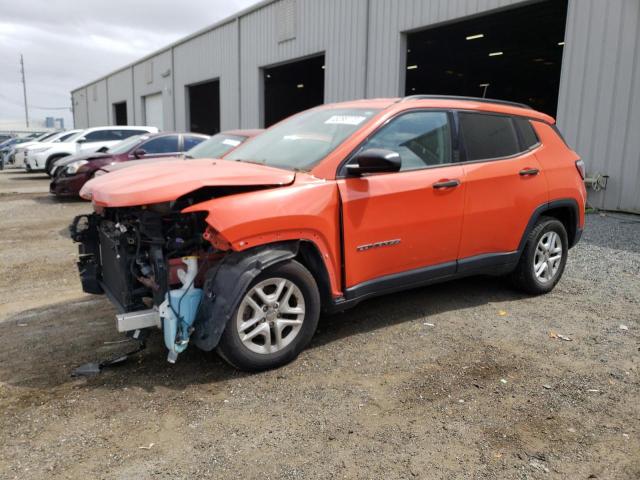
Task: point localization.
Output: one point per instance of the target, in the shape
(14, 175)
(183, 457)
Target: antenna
(24, 91)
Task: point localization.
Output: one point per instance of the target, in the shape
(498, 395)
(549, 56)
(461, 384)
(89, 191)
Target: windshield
(216, 146)
(63, 136)
(75, 136)
(300, 142)
(46, 136)
(125, 145)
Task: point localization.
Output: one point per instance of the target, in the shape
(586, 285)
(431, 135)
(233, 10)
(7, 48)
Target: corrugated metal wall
(364, 43)
(96, 96)
(79, 102)
(220, 48)
(599, 106)
(120, 90)
(152, 76)
(390, 19)
(336, 28)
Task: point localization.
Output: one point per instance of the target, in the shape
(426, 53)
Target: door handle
(527, 172)
(446, 184)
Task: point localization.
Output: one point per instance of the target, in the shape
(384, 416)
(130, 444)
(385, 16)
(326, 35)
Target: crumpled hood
(166, 181)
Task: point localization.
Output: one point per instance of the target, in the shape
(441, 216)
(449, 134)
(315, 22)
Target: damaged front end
(150, 262)
(167, 269)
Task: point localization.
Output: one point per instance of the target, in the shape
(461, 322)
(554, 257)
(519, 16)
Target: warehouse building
(574, 59)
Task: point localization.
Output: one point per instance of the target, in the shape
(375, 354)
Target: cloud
(67, 43)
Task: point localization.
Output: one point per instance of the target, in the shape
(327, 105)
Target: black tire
(524, 277)
(50, 161)
(233, 350)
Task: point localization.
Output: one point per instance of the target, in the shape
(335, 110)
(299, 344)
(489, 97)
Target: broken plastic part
(89, 369)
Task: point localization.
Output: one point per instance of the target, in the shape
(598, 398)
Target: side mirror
(374, 160)
(81, 140)
(139, 152)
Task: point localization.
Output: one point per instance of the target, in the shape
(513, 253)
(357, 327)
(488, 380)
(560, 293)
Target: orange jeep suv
(325, 209)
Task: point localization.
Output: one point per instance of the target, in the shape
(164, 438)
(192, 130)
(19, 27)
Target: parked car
(72, 172)
(20, 153)
(86, 141)
(215, 147)
(325, 209)
(8, 147)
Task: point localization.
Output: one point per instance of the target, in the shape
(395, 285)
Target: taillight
(581, 168)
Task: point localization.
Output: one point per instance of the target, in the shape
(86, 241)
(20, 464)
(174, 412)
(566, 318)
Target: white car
(8, 153)
(86, 141)
(20, 154)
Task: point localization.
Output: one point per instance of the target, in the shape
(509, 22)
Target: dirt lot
(461, 380)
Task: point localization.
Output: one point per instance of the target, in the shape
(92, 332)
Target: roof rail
(472, 99)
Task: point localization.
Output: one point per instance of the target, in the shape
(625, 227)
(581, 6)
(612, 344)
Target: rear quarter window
(528, 137)
(488, 136)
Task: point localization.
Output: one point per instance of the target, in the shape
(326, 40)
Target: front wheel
(543, 259)
(275, 319)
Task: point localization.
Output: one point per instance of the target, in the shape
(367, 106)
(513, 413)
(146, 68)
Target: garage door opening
(292, 87)
(510, 55)
(120, 113)
(204, 107)
(153, 112)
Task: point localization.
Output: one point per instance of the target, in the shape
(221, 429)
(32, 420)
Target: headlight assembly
(73, 167)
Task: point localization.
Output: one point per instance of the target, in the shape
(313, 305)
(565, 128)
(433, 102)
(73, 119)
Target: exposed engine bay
(150, 262)
(166, 269)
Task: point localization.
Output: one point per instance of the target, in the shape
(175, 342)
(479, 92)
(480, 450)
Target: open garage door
(204, 107)
(153, 115)
(514, 54)
(120, 113)
(292, 87)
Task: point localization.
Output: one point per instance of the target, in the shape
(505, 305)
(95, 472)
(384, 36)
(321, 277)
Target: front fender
(226, 283)
(307, 210)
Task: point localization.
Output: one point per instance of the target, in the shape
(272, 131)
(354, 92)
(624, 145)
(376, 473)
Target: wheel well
(567, 216)
(55, 157)
(310, 257)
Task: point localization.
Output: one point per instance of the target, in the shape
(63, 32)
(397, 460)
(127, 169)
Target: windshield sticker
(230, 141)
(345, 120)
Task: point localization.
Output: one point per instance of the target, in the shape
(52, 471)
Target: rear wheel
(543, 259)
(275, 320)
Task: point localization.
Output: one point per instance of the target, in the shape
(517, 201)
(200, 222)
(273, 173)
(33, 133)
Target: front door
(399, 223)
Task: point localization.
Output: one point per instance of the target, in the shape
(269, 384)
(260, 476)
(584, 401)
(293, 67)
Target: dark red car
(215, 147)
(71, 173)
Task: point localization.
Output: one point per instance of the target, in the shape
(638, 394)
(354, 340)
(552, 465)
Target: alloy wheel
(548, 257)
(270, 315)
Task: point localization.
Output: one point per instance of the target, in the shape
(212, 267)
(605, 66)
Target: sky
(67, 43)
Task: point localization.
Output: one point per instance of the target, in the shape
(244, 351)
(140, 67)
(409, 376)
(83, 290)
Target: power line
(36, 107)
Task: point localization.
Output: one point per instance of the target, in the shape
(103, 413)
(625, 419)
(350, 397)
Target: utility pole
(24, 91)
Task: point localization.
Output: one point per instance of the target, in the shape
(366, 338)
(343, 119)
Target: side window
(423, 139)
(528, 135)
(190, 142)
(168, 144)
(488, 136)
(98, 136)
(122, 134)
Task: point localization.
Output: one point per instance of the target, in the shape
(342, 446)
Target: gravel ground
(462, 380)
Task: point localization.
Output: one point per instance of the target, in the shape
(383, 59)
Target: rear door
(398, 223)
(504, 183)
